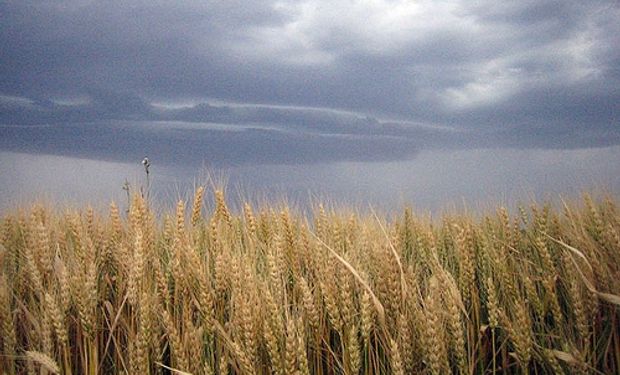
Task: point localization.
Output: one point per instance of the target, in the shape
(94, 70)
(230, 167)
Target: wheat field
(273, 291)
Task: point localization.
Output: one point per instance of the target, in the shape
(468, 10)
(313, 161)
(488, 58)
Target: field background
(270, 290)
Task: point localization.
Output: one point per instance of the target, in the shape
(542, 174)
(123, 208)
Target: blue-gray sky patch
(299, 82)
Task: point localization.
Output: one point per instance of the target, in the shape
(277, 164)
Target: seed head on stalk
(147, 165)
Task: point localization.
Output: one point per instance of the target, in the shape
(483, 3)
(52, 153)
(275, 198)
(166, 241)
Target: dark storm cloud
(170, 145)
(102, 105)
(328, 80)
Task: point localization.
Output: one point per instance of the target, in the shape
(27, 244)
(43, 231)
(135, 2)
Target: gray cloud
(313, 80)
(175, 144)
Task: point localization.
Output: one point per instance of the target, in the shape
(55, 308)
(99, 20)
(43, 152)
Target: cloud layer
(303, 81)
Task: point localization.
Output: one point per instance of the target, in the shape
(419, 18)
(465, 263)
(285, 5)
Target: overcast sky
(384, 101)
(305, 81)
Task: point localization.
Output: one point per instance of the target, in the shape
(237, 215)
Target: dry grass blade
(611, 298)
(378, 305)
(572, 249)
(173, 369)
(113, 327)
(232, 347)
(564, 356)
(403, 281)
(44, 360)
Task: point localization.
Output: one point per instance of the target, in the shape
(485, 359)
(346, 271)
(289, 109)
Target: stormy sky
(243, 83)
